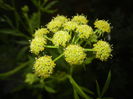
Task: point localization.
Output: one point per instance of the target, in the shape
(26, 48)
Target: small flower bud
(30, 78)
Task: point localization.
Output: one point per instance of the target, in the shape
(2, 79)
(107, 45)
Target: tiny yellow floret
(54, 25)
(84, 31)
(37, 45)
(44, 66)
(41, 32)
(74, 54)
(102, 25)
(103, 50)
(61, 38)
(81, 19)
(70, 26)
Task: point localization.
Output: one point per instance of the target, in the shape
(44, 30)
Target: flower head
(44, 66)
(103, 50)
(81, 19)
(37, 45)
(30, 78)
(61, 18)
(54, 25)
(70, 26)
(103, 25)
(41, 32)
(84, 31)
(60, 38)
(74, 54)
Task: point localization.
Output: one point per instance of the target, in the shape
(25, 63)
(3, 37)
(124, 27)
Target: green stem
(14, 70)
(77, 87)
(71, 69)
(58, 57)
(48, 38)
(27, 20)
(49, 46)
(73, 39)
(77, 40)
(88, 49)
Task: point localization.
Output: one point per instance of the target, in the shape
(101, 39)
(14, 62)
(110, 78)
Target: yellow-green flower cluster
(74, 54)
(81, 19)
(103, 50)
(61, 38)
(70, 26)
(72, 38)
(44, 66)
(55, 24)
(84, 31)
(102, 25)
(41, 32)
(37, 45)
(61, 18)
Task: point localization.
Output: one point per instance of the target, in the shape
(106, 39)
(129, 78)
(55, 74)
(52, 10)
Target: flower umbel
(37, 45)
(70, 26)
(84, 31)
(103, 50)
(74, 54)
(61, 38)
(103, 25)
(41, 32)
(81, 19)
(61, 18)
(54, 25)
(44, 66)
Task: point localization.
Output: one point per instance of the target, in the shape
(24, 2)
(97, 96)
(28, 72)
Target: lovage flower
(74, 54)
(44, 66)
(103, 50)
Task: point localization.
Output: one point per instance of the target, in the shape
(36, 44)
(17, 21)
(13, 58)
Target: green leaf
(35, 20)
(49, 5)
(9, 73)
(76, 95)
(9, 21)
(47, 8)
(5, 6)
(88, 60)
(35, 2)
(98, 89)
(13, 33)
(23, 42)
(78, 89)
(22, 52)
(87, 90)
(107, 83)
(49, 89)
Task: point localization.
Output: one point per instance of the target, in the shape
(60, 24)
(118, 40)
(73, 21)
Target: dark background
(120, 15)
